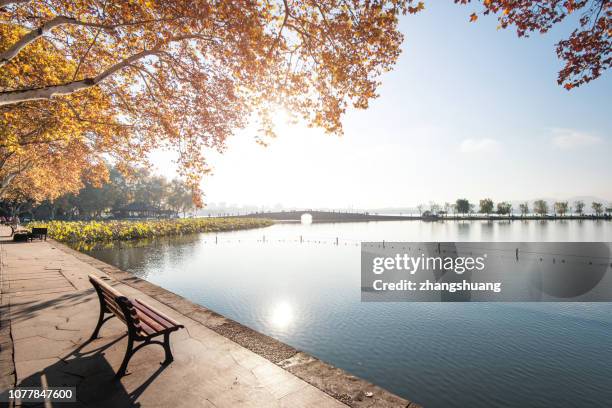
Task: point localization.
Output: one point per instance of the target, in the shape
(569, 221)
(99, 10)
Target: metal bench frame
(126, 310)
(38, 233)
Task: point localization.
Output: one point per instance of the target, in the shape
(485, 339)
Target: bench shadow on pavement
(87, 369)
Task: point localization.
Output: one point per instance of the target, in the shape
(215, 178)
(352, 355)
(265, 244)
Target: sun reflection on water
(281, 316)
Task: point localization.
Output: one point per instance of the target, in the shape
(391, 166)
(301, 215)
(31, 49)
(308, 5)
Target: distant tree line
(141, 195)
(486, 206)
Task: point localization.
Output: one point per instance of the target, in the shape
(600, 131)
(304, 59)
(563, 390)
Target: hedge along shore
(107, 231)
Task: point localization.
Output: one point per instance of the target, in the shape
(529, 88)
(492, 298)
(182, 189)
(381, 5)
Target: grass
(108, 231)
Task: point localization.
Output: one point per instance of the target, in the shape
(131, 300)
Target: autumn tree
(588, 50)
(504, 208)
(48, 148)
(486, 206)
(179, 197)
(184, 75)
(579, 207)
(561, 207)
(141, 190)
(540, 207)
(434, 207)
(463, 206)
(447, 208)
(597, 208)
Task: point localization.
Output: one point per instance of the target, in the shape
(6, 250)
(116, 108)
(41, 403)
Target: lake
(293, 282)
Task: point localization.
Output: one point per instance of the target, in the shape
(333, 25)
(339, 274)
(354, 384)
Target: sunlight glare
(282, 315)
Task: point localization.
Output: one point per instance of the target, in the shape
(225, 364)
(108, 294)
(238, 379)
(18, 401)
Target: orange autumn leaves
(48, 148)
(182, 75)
(88, 81)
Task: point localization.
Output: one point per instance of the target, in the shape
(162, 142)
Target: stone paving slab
(52, 310)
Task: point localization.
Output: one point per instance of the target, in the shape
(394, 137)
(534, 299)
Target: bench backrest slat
(117, 303)
(147, 321)
(159, 317)
(115, 309)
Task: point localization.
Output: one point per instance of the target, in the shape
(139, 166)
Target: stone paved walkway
(53, 309)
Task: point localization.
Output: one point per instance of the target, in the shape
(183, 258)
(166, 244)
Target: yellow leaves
(324, 61)
(80, 232)
(473, 17)
(415, 9)
(36, 65)
(53, 145)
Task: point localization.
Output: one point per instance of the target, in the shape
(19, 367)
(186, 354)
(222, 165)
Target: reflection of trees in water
(135, 255)
(463, 229)
(137, 243)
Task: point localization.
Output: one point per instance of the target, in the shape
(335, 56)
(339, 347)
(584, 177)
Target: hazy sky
(469, 111)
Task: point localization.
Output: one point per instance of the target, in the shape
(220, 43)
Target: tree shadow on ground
(23, 310)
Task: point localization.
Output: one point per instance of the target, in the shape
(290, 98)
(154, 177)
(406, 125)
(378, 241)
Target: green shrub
(105, 231)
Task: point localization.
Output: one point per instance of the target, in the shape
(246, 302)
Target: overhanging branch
(31, 36)
(47, 92)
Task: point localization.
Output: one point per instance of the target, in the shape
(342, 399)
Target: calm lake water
(307, 294)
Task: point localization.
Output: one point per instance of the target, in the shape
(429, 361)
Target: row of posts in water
(337, 242)
(384, 244)
(263, 239)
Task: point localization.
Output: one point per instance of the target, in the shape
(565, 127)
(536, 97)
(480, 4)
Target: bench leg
(128, 354)
(167, 349)
(101, 321)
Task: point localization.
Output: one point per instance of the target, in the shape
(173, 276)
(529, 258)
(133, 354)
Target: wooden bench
(143, 322)
(21, 236)
(38, 233)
